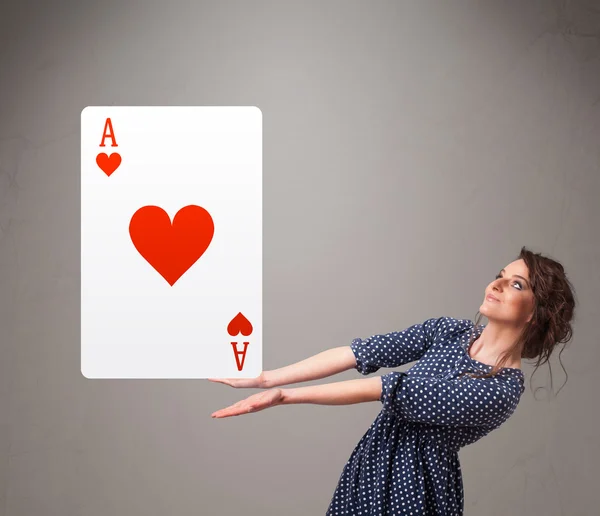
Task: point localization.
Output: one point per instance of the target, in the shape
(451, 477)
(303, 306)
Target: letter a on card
(171, 242)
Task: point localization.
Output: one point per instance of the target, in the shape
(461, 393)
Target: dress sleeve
(455, 402)
(397, 348)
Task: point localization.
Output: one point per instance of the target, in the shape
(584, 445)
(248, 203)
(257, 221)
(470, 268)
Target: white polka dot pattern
(459, 402)
(407, 461)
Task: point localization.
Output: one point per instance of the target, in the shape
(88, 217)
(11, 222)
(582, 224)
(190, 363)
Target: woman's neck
(494, 341)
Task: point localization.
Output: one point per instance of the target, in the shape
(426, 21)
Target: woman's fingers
(232, 410)
(238, 382)
(254, 403)
(220, 380)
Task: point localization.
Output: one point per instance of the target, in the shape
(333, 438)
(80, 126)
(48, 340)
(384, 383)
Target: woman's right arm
(321, 365)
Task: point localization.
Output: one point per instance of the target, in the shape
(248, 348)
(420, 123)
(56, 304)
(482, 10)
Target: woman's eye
(517, 282)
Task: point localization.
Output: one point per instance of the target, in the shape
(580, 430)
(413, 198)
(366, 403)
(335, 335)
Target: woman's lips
(489, 297)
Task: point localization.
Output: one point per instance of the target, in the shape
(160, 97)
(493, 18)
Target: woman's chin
(490, 313)
(484, 310)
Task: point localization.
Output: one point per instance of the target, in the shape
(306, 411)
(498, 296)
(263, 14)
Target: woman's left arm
(339, 393)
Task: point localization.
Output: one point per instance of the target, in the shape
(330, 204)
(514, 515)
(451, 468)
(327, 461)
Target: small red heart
(171, 248)
(108, 164)
(239, 324)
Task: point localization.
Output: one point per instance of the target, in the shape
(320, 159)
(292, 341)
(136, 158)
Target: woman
(467, 380)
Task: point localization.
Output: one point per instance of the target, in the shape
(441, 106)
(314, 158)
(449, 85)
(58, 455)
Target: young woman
(466, 382)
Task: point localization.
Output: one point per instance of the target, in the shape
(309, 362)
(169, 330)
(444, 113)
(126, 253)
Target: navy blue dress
(407, 462)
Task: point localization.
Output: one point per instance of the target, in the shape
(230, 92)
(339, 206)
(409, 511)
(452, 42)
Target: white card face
(171, 242)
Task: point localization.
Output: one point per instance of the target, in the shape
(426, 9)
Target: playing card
(171, 242)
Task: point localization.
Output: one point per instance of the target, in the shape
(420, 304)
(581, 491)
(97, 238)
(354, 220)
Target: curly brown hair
(553, 313)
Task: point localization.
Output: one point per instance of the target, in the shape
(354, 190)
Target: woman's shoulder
(446, 328)
(450, 325)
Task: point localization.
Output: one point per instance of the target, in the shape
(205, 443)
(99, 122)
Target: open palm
(254, 403)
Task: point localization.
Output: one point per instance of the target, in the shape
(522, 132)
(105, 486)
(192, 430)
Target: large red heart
(107, 163)
(171, 248)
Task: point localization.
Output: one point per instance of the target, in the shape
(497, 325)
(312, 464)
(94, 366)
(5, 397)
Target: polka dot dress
(407, 461)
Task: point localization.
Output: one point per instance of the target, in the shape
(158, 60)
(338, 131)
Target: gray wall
(410, 150)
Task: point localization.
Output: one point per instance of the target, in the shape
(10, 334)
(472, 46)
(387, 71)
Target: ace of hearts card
(171, 242)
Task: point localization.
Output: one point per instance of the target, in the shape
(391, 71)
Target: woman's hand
(254, 403)
(238, 383)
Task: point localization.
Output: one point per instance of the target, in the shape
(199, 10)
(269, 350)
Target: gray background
(410, 150)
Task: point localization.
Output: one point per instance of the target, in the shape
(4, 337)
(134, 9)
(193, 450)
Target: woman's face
(514, 297)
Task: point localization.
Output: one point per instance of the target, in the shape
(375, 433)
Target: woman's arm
(321, 365)
(340, 393)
